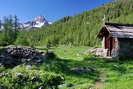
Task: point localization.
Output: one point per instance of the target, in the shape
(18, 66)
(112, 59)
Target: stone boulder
(83, 69)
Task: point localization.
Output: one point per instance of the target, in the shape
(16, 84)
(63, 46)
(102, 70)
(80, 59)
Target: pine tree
(10, 30)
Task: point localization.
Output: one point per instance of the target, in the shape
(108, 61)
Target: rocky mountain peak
(40, 19)
(37, 22)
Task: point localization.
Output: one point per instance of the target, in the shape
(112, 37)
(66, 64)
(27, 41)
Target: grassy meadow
(108, 74)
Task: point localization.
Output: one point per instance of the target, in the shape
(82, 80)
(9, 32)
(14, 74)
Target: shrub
(23, 78)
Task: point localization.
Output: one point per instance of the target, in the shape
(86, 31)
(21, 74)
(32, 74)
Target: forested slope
(80, 29)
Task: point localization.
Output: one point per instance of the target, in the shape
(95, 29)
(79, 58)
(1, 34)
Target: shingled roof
(117, 30)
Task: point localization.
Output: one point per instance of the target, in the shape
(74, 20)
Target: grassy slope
(118, 74)
(75, 58)
(111, 74)
(115, 74)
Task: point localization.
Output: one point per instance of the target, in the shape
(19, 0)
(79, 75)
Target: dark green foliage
(22, 40)
(9, 32)
(2, 50)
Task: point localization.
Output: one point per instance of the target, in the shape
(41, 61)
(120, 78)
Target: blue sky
(51, 9)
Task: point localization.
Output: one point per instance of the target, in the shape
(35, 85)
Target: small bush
(22, 78)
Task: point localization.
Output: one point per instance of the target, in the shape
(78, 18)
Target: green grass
(68, 52)
(117, 74)
(67, 58)
(121, 77)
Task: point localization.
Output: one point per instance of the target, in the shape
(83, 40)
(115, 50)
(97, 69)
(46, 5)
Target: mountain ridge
(37, 22)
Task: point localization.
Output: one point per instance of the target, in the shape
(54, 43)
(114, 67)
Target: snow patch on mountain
(37, 22)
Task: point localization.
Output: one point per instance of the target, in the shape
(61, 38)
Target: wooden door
(109, 44)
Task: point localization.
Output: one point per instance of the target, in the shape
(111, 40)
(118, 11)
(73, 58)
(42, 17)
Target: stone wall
(13, 56)
(126, 47)
(98, 52)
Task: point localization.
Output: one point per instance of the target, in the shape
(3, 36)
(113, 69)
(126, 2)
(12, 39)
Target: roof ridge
(119, 24)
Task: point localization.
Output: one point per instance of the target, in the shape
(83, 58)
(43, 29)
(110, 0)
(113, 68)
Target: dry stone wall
(12, 56)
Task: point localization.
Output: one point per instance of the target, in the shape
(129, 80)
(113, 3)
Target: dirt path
(100, 83)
